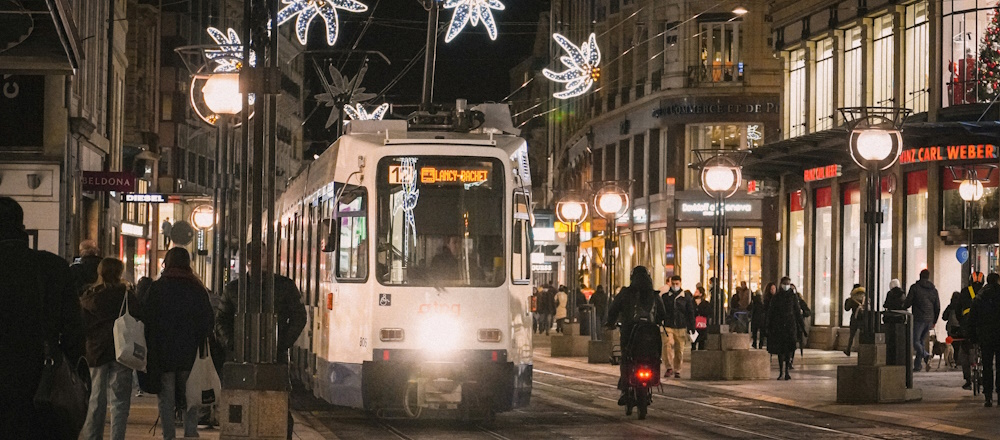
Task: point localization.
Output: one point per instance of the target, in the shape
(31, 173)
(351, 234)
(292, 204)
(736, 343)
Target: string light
(358, 112)
(309, 9)
(472, 11)
(583, 63)
(229, 55)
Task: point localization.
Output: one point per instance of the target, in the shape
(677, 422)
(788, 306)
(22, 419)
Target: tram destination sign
(948, 153)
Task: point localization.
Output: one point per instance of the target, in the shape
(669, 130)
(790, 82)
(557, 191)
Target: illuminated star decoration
(309, 9)
(341, 93)
(358, 112)
(474, 11)
(583, 63)
(229, 55)
(408, 170)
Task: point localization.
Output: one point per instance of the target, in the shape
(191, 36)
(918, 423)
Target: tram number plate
(399, 175)
(385, 299)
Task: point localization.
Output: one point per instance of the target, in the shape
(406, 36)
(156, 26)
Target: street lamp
(611, 201)
(721, 176)
(971, 190)
(571, 210)
(222, 93)
(875, 144)
(203, 217)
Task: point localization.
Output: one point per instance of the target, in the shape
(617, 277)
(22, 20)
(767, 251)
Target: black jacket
(291, 315)
(679, 310)
(923, 297)
(984, 322)
(784, 322)
(758, 314)
(100, 305)
(39, 299)
(178, 318)
(600, 302)
(84, 272)
(631, 305)
(895, 299)
(547, 302)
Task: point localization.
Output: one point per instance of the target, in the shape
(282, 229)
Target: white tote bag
(130, 339)
(203, 386)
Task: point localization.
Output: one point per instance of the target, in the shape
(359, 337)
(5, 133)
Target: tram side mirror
(330, 236)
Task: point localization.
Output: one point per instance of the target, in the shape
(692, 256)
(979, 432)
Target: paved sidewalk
(945, 407)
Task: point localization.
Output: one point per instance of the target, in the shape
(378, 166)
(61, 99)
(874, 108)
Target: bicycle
(976, 369)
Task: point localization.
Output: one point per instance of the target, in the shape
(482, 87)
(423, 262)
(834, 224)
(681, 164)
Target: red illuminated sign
(822, 173)
(948, 153)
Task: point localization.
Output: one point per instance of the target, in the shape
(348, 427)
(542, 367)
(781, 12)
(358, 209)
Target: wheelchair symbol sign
(385, 299)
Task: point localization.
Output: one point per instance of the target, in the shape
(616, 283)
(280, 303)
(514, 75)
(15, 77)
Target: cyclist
(985, 330)
(635, 304)
(957, 316)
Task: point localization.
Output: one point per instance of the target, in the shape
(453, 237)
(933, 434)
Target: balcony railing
(717, 73)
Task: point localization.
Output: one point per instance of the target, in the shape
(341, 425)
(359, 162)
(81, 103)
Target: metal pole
(571, 270)
(219, 207)
(430, 55)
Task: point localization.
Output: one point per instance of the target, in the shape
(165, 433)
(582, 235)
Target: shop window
(850, 244)
(883, 89)
(853, 68)
(691, 243)
(796, 93)
(916, 88)
(916, 225)
(885, 239)
(956, 215)
(796, 239)
(964, 26)
(823, 101)
(823, 264)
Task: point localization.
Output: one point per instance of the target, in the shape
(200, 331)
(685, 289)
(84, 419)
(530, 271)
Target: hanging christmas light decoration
(342, 93)
(583, 66)
(309, 9)
(474, 11)
(358, 112)
(229, 56)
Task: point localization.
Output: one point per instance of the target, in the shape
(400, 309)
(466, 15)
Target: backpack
(642, 313)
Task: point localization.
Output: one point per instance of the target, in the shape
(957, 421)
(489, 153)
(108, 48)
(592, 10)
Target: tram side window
(351, 231)
(521, 241)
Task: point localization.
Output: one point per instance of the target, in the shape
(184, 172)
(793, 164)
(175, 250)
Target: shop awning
(37, 37)
(827, 147)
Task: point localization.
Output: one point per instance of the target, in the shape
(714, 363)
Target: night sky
(471, 66)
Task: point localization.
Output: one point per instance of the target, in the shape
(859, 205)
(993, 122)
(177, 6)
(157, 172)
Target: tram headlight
(440, 333)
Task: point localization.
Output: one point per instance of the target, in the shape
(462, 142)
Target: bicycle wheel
(642, 400)
(977, 371)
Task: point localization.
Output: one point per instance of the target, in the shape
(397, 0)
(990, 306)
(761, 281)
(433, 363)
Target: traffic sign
(750, 246)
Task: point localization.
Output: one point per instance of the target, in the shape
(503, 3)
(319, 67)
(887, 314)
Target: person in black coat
(600, 302)
(84, 269)
(39, 301)
(178, 318)
(895, 297)
(702, 314)
(758, 316)
(784, 325)
(633, 304)
(926, 308)
(679, 323)
(546, 308)
(984, 329)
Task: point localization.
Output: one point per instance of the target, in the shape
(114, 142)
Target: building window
(638, 159)
(609, 162)
(598, 164)
(721, 52)
(623, 163)
(719, 137)
(851, 241)
(796, 95)
(654, 163)
(917, 58)
(823, 272)
(796, 239)
(884, 64)
(824, 85)
(853, 68)
(963, 30)
(916, 225)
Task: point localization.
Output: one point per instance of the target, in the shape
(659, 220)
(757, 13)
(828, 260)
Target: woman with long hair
(100, 306)
(178, 317)
(784, 325)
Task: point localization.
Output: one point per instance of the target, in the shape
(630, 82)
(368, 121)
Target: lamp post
(875, 144)
(721, 176)
(203, 219)
(611, 201)
(971, 190)
(571, 210)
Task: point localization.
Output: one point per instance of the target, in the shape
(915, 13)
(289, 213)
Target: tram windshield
(440, 221)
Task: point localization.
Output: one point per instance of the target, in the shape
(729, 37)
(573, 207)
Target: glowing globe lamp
(971, 190)
(222, 93)
(874, 145)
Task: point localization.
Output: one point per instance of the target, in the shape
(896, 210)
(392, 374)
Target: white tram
(412, 252)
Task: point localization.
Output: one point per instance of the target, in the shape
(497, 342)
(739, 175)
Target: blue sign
(962, 255)
(750, 246)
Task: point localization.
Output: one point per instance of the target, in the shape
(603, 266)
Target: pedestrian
(895, 297)
(678, 324)
(984, 329)
(758, 314)
(560, 316)
(702, 313)
(715, 290)
(535, 293)
(547, 308)
(101, 305)
(926, 307)
(288, 309)
(739, 309)
(84, 268)
(957, 315)
(855, 303)
(600, 302)
(40, 301)
(579, 299)
(166, 228)
(178, 318)
(633, 304)
(784, 325)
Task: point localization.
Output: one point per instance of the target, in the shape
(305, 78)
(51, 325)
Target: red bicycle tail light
(644, 374)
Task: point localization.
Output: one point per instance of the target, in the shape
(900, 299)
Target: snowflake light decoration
(408, 171)
(309, 9)
(583, 63)
(229, 55)
(358, 112)
(474, 11)
(341, 93)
